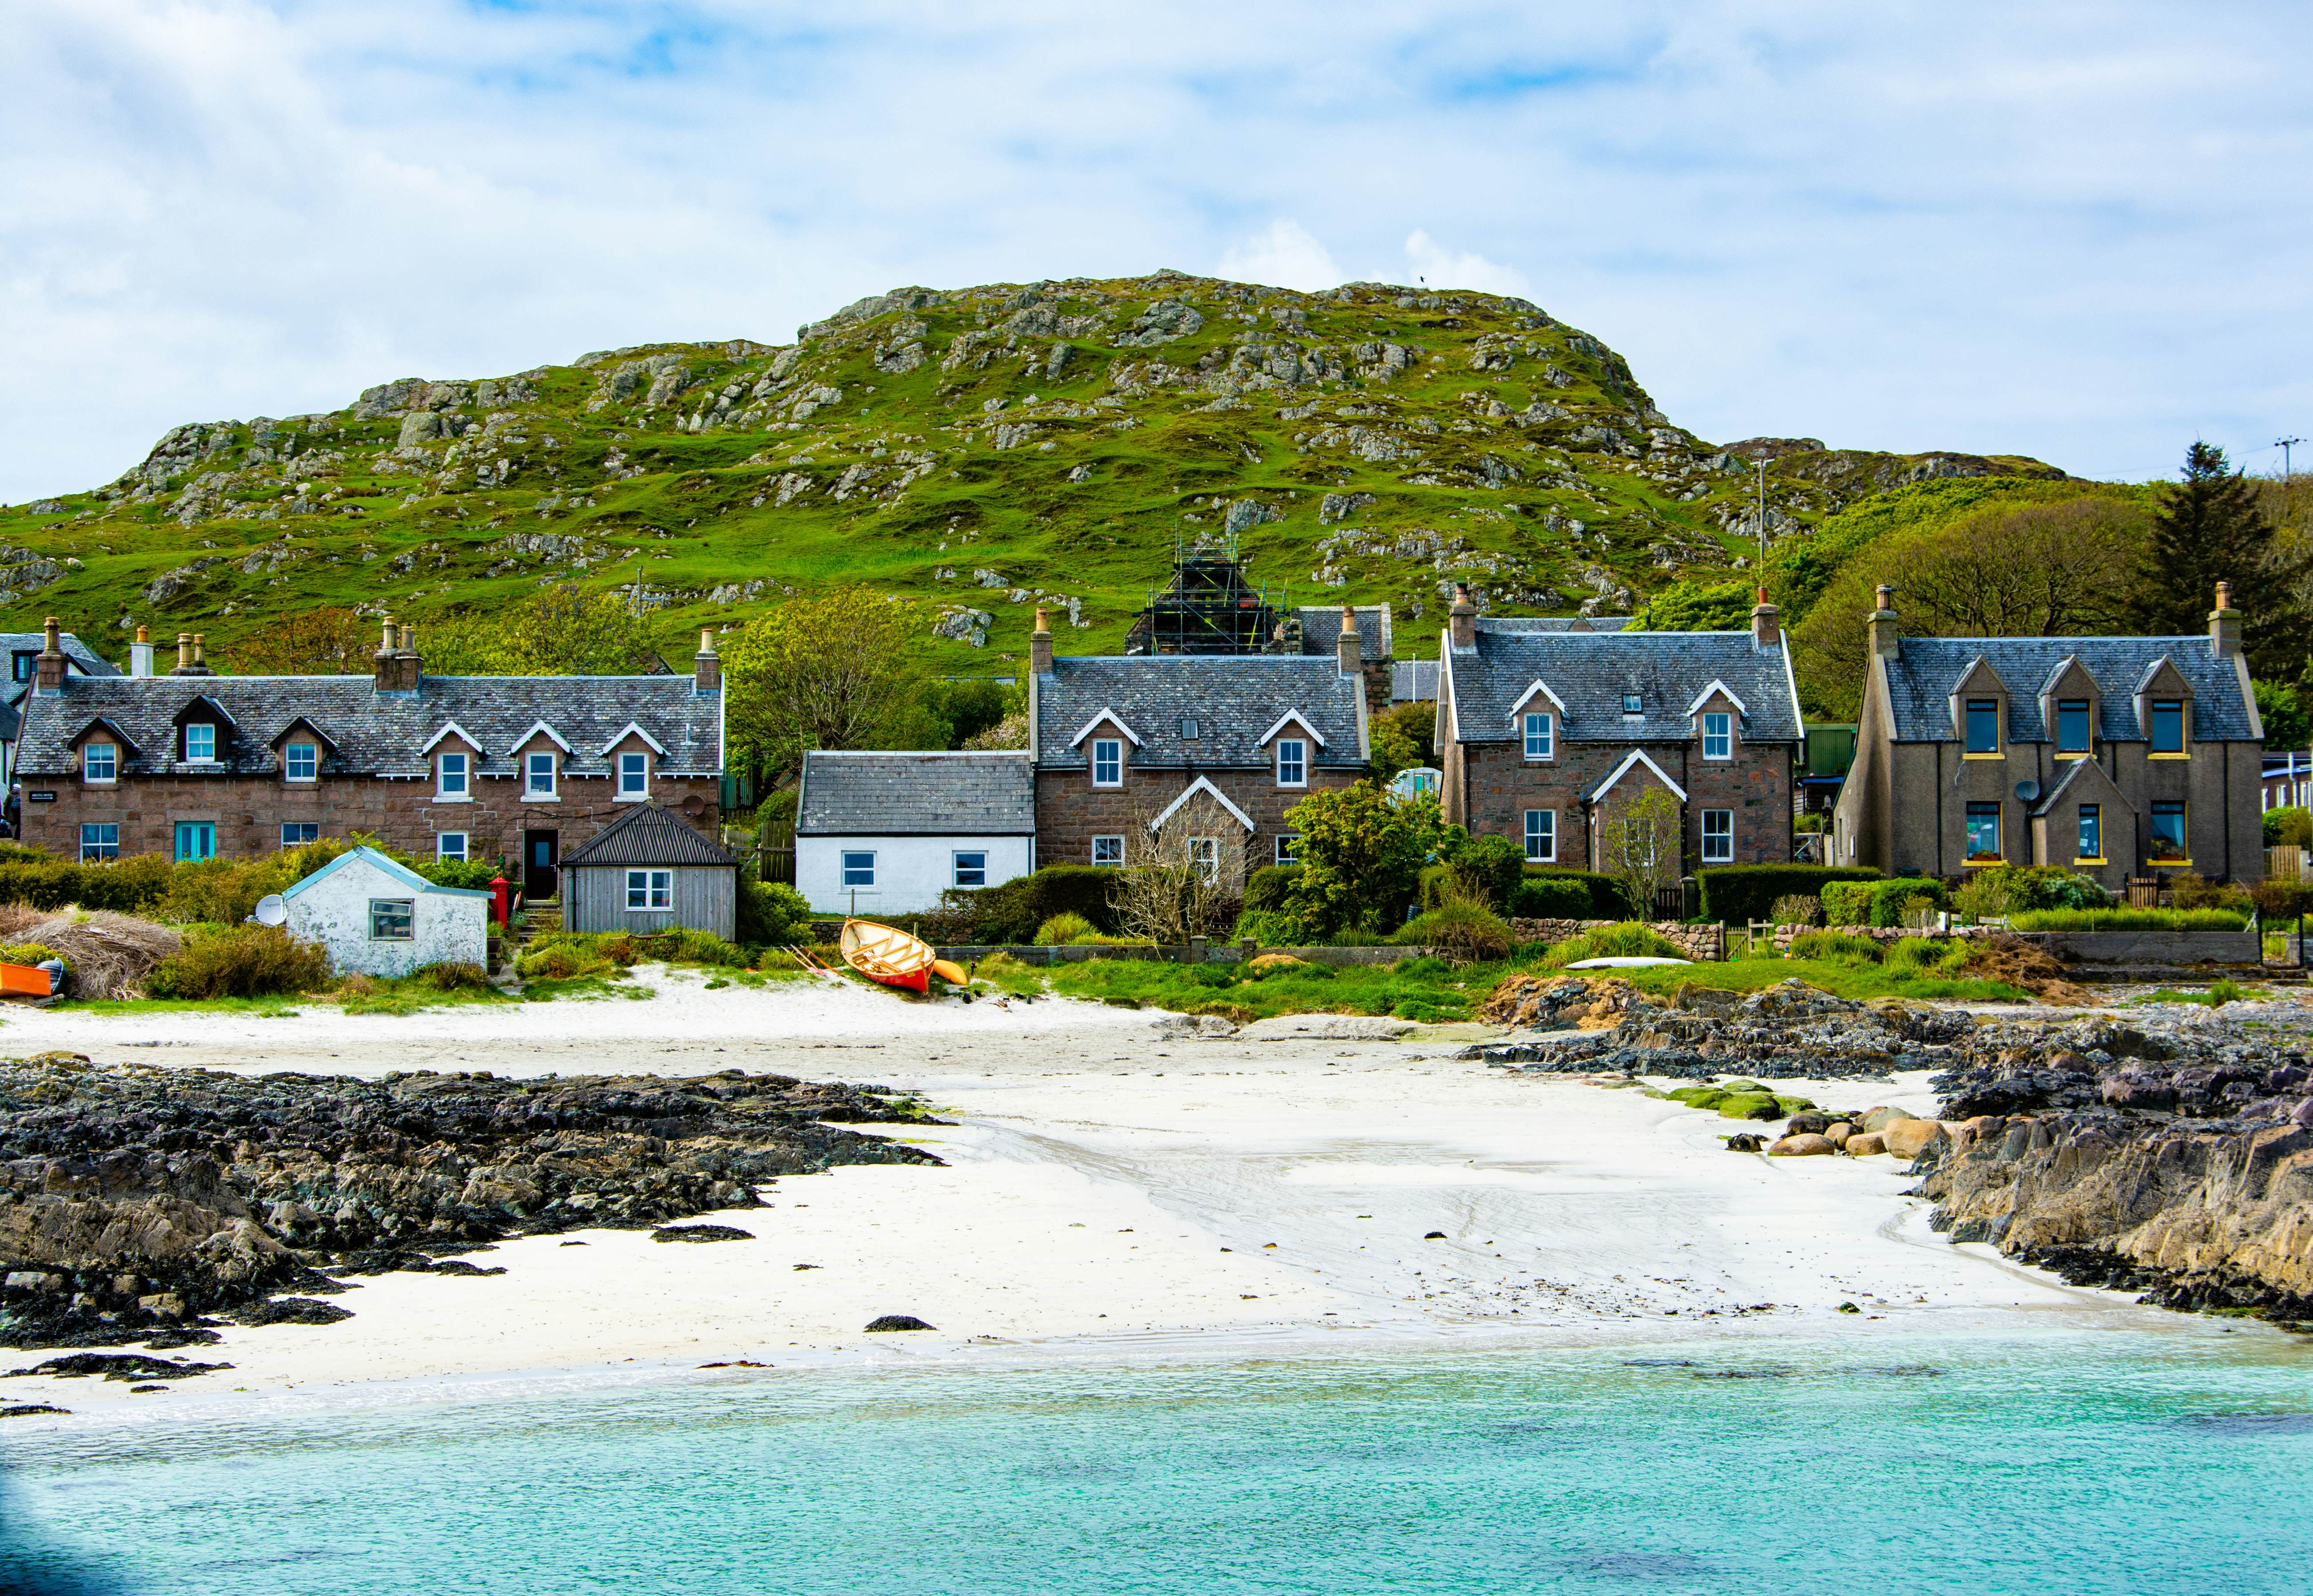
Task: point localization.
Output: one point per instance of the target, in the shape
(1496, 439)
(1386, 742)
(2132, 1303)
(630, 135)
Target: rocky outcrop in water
(136, 1199)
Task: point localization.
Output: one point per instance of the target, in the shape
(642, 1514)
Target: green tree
(1698, 606)
(1403, 739)
(1361, 853)
(2282, 708)
(842, 669)
(562, 630)
(2211, 528)
(1640, 848)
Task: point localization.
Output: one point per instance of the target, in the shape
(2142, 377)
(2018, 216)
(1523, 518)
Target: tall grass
(2128, 920)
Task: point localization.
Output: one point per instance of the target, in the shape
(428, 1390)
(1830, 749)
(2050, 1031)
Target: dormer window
(1983, 726)
(200, 741)
(1541, 735)
(2073, 733)
(1632, 704)
(453, 777)
(2168, 728)
(301, 762)
(1718, 735)
(634, 776)
(100, 762)
(1107, 762)
(1292, 762)
(538, 775)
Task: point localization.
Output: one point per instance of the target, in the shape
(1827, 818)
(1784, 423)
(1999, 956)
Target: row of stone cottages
(2115, 756)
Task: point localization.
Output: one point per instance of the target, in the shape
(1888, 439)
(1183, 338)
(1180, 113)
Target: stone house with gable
(192, 765)
(1543, 733)
(1126, 742)
(2113, 756)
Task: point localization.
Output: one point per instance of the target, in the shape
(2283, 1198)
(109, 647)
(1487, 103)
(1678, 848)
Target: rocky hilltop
(134, 1200)
(981, 449)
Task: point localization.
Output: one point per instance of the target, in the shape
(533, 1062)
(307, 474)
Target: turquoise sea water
(2073, 1463)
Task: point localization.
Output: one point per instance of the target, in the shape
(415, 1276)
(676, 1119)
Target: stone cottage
(375, 917)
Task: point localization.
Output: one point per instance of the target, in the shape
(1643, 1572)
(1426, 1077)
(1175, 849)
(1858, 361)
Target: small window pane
(2168, 725)
(301, 762)
(1983, 726)
(1205, 853)
(200, 740)
(2091, 831)
(1539, 740)
(1631, 705)
(859, 869)
(1717, 836)
(99, 761)
(971, 868)
(637, 889)
(1286, 844)
(1292, 762)
(2072, 725)
(541, 767)
(634, 774)
(2169, 832)
(1718, 736)
(389, 919)
(1191, 731)
(450, 845)
(1541, 835)
(1107, 762)
(1984, 830)
(99, 842)
(661, 889)
(1108, 851)
(454, 775)
(296, 834)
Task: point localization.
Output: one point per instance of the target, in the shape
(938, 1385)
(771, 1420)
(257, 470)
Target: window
(1982, 725)
(1288, 842)
(99, 761)
(1983, 834)
(2072, 725)
(195, 839)
(1719, 734)
(1205, 853)
(200, 740)
(24, 667)
(2091, 833)
(2169, 833)
(389, 919)
(1107, 763)
(971, 868)
(449, 846)
(99, 842)
(450, 776)
(1191, 731)
(301, 762)
(859, 869)
(1541, 835)
(1631, 705)
(1719, 836)
(538, 776)
(1541, 738)
(1108, 851)
(633, 775)
(655, 889)
(2168, 725)
(296, 834)
(1292, 762)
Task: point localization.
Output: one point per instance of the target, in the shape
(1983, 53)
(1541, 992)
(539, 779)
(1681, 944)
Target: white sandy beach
(1106, 1192)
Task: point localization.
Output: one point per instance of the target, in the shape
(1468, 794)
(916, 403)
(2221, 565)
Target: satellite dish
(271, 910)
(2028, 790)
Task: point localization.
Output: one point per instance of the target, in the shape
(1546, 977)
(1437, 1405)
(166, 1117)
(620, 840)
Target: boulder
(1806, 1125)
(1838, 1132)
(1879, 1119)
(1802, 1146)
(897, 1321)
(1749, 1105)
(1864, 1144)
(1907, 1138)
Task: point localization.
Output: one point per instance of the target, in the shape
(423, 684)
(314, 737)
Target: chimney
(397, 659)
(1885, 636)
(1040, 646)
(49, 669)
(1463, 618)
(201, 652)
(1349, 647)
(140, 654)
(1766, 623)
(707, 677)
(184, 655)
(2225, 624)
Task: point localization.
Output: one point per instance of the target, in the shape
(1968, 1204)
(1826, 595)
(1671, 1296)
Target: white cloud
(1283, 256)
(1973, 226)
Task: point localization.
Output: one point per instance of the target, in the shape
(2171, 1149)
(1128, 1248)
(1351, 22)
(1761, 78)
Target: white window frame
(1292, 762)
(111, 776)
(637, 764)
(1545, 835)
(844, 867)
(1726, 837)
(464, 792)
(1285, 841)
(1719, 727)
(200, 726)
(532, 793)
(957, 866)
(1108, 752)
(288, 770)
(99, 842)
(1539, 735)
(1205, 854)
(301, 842)
(650, 892)
(443, 852)
(1115, 863)
(408, 918)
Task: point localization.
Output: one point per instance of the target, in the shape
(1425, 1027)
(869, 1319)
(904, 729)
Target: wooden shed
(649, 871)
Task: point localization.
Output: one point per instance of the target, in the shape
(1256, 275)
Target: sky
(2074, 231)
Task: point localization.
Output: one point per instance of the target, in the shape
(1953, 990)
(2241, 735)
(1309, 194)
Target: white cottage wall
(446, 926)
(910, 872)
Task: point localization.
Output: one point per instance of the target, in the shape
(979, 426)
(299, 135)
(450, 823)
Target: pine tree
(2209, 530)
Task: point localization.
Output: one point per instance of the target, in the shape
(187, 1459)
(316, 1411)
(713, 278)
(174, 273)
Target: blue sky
(2069, 230)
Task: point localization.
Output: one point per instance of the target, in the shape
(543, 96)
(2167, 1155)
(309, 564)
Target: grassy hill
(981, 449)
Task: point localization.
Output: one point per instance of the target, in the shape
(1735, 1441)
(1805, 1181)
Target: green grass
(275, 1008)
(2129, 919)
(1854, 980)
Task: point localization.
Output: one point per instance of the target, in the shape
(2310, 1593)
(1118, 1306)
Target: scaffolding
(1210, 607)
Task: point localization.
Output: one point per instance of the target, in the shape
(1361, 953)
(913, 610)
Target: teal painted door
(195, 839)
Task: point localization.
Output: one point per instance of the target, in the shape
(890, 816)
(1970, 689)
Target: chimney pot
(2224, 595)
(2224, 624)
(1040, 646)
(707, 666)
(200, 647)
(385, 640)
(143, 635)
(185, 652)
(409, 639)
(1766, 623)
(1349, 649)
(1887, 634)
(1462, 619)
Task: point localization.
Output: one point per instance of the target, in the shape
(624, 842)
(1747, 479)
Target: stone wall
(1496, 785)
(1701, 943)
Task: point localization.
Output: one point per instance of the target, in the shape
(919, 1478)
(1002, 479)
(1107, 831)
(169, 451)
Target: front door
(195, 839)
(541, 851)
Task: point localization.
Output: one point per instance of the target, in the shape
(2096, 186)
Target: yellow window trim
(1983, 756)
(2168, 756)
(1980, 864)
(2168, 861)
(2078, 753)
(2085, 859)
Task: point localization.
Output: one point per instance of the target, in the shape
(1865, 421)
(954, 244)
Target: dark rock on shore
(898, 1321)
(291, 1310)
(116, 1366)
(703, 1233)
(26, 1409)
(135, 1199)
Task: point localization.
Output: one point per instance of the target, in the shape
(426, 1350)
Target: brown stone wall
(248, 811)
(1500, 786)
(1070, 811)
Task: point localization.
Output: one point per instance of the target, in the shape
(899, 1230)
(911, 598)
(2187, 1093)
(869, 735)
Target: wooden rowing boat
(27, 980)
(887, 954)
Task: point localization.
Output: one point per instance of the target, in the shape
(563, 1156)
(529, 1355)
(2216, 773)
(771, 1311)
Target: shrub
(1485, 868)
(1361, 854)
(33, 953)
(1462, 931)
(1881, 900)
(455, 975)
(1551, 898)
(1011, 910)
(565, 957)
(1984, 896)
(1270, 928)
(470, 874)
(1266, 889)
(1628, 939)
(2283, 900)
(239, 961)
(1737, 893)
(2192, 890)
(770, 913)
(1061, 930)
(1837, 946)
(2288, 826)
(1606, 893)
(2045, 886)
(1797, 910)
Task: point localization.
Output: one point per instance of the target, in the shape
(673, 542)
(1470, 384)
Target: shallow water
(2073, 1461)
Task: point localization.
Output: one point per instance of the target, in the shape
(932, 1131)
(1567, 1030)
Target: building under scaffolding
(1210, 607)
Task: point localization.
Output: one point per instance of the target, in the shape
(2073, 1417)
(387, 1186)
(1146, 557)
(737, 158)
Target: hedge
(1265, 888)
(1607, 901)
(1877, 902)
(1736, 894)
(1011, 913)
(131, 885)
(1552, 897)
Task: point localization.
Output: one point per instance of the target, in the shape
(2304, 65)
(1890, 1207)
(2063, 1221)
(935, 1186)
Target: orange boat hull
(25, 981)
(919, 981)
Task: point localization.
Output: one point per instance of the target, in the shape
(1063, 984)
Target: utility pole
(1761, 466)
(2282, 444)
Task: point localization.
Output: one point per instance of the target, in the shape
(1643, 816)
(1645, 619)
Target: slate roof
(913, 795)
(1573, 624)
(1235, 698)
(647, 834)
(1591, 672)
(1321, 630)
(1411, 680)
(372, 733)
(1921, 675)
(14, 643)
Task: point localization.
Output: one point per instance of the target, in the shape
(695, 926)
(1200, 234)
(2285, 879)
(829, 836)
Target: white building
(377, 918)
(881, 834)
